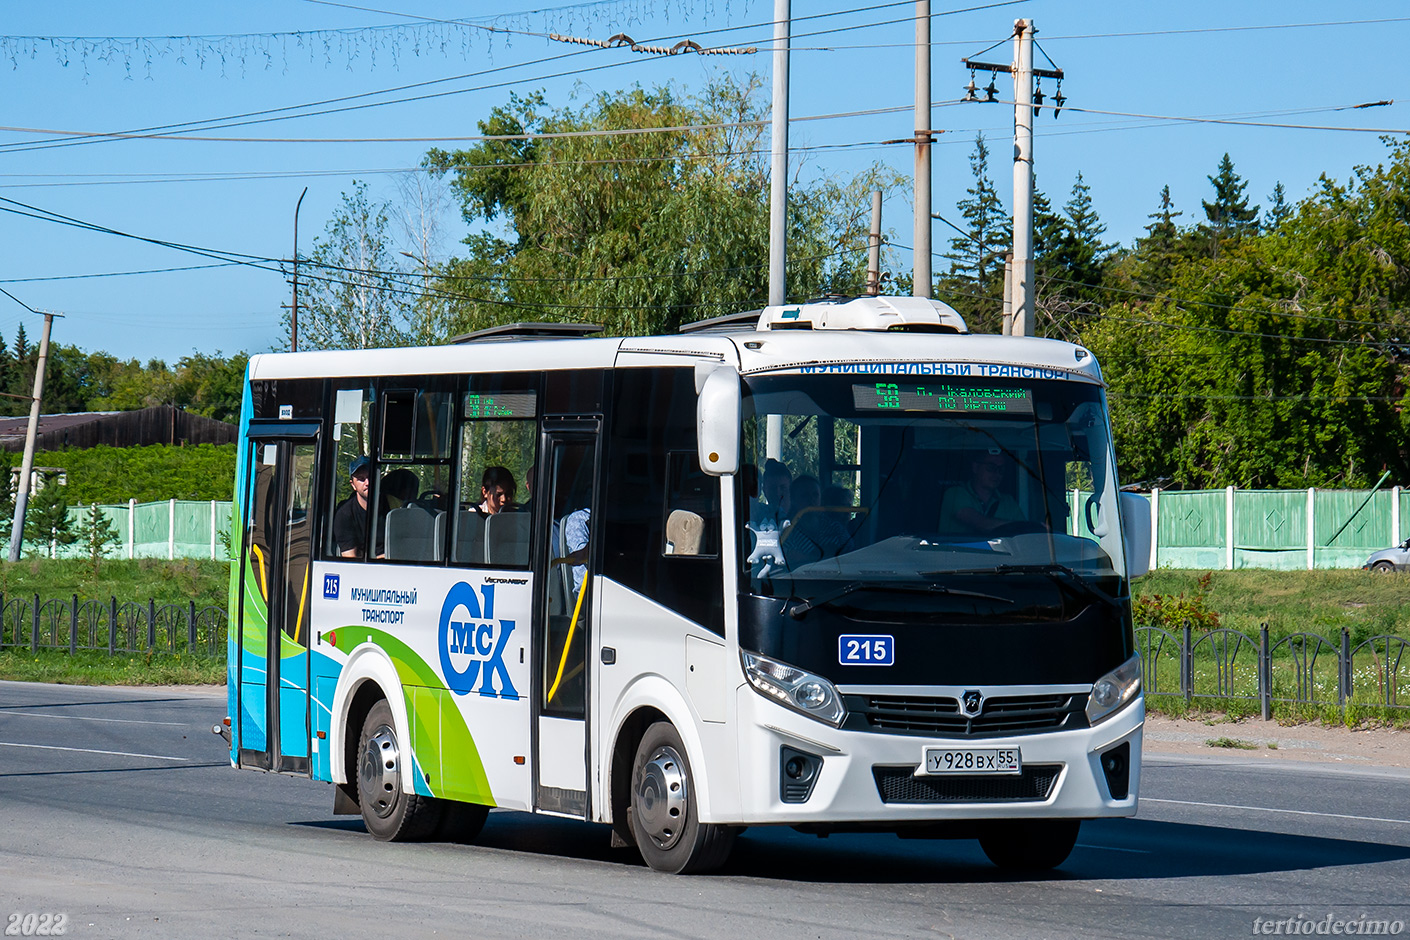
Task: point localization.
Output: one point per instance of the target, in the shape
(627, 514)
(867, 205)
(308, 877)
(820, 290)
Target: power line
(277, 115)
(77, 277)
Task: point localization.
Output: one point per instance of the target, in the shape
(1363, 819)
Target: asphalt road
(118, 809)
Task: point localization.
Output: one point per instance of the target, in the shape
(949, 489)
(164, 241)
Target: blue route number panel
(859, 649)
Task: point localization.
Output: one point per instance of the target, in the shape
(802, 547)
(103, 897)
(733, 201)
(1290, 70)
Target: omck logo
(473, 642)
(971, 702)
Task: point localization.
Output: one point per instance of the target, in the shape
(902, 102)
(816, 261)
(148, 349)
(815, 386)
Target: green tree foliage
(146, 474)
(974, 284)
(356, 296)
(640, 232)
(98, 535)
(1282, 362)
(1229, 215)
(46, 522)
(1278, 208)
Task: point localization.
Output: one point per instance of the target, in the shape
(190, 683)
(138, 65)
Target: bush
(112, 475)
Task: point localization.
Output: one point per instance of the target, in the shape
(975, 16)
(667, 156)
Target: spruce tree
(1278, 208)
(47, 526)
(1229, 215)
(99, 535)
(978, 258)
(1160, 248)
(1081, 255)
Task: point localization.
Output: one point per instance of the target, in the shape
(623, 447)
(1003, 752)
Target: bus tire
(461, 822)
(390, 814)
(1029, 844)
(664, 820)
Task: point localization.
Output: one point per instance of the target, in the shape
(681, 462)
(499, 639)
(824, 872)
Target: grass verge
(168, 582)
(97, 668)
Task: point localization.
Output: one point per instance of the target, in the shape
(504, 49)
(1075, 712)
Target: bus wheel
(664, 820)
(1030, 844)
(390, 814)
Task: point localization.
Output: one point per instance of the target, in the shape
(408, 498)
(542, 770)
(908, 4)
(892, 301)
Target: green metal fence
(1280, 529)
(175, 528)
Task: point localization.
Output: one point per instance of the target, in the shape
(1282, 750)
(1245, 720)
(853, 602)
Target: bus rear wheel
(664, 819)
(1029, 844)
(390, 814)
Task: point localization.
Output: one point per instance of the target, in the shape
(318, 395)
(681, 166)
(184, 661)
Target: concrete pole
(1023, 178)
(27, 465)
(920, 264)
(294, 304)
(778, 178)
(874, 246)
(1008, 293)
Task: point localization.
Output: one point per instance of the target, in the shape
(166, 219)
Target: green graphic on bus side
(452, 761)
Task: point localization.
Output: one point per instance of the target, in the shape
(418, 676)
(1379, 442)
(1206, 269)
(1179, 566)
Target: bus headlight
(1114, 690)
(793, 688)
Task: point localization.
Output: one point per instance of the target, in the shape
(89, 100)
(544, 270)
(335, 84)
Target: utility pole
(778, 180)
(874, 246)
(27, 466)
(294, 305)
(1018, 310)
(920, 264)
(1023, 177)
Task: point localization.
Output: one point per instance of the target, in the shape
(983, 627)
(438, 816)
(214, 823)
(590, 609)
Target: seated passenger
(496, 491)
(978, 507)
(399, 487)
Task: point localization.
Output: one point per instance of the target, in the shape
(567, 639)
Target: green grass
(168, 582)
(93, 668)
(1295, 601)
(1232, 743)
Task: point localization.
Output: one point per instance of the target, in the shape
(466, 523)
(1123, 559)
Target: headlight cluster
(793, 688)
(1114, 690)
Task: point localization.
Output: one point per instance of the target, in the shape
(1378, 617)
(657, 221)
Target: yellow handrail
(263, 586)
(568, 643)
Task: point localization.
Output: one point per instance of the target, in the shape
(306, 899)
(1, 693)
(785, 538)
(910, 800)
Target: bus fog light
(1114, 690)
(793, 688)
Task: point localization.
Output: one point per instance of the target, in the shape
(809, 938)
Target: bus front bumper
(865, 778)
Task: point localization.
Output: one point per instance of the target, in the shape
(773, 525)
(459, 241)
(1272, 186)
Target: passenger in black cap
(350, 518)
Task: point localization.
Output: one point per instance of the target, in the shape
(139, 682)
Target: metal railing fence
(1305, 669)
(30, 622)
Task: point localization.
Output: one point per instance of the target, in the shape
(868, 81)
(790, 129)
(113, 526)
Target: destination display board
(941, 397)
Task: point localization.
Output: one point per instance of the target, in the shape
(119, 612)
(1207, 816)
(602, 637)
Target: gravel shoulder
(1269, 741)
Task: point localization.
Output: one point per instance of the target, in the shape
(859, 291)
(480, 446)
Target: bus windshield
(862, 491)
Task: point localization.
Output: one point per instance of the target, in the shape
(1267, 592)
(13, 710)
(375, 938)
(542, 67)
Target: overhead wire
(276, 115)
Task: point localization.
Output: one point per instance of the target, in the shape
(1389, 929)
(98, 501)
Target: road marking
(124, 721)
(89, 750)
(1269, 809)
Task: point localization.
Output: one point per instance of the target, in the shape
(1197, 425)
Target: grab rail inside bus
(572, 627)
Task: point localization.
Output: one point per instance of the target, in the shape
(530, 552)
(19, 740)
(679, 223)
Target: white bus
(839, 566)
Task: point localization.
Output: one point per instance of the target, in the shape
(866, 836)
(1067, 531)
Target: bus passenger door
(274, 598)
(564, 619)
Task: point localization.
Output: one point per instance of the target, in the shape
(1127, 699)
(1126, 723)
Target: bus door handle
(609, 656)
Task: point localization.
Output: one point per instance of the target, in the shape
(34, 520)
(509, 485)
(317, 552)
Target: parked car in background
(1389, 559)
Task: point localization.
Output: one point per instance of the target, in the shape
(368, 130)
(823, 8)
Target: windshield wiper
(1062, 572)
(798, 611)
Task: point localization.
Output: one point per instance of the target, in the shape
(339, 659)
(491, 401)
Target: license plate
(972, 760)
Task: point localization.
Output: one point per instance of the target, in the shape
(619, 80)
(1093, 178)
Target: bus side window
(498, 445)
(692, 508)
(352, 439)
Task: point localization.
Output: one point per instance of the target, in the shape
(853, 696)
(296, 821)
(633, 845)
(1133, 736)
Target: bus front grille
(941, 715)
(901, 785)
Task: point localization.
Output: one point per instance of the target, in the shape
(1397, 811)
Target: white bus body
(657, 630)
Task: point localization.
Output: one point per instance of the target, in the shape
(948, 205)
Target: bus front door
(274, 598)
(565, 619)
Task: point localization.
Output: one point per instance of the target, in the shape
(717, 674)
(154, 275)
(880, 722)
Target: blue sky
(1189, 59)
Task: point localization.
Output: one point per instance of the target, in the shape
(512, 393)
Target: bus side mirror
(1136, 533)
(717, 422)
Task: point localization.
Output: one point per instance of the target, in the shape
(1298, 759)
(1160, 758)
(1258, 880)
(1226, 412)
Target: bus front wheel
(664, 819)
(390, 814)
(1029, 844)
